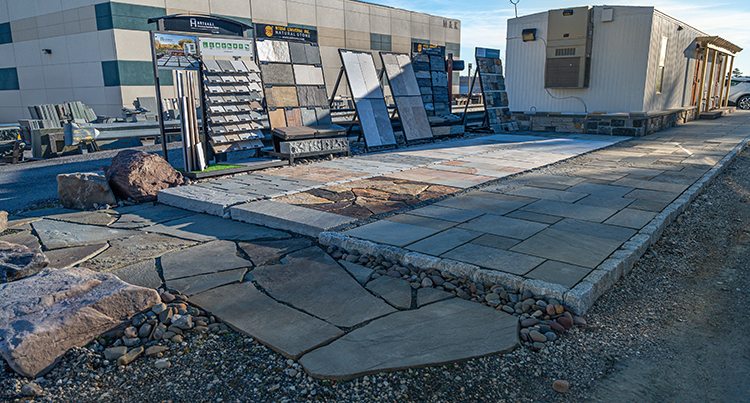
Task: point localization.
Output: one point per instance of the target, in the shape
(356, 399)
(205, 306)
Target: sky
(483, 22)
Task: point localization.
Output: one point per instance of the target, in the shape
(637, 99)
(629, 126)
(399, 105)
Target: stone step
(288, 217)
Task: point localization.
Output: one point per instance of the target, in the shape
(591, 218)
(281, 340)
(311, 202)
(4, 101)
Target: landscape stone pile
(542, 319)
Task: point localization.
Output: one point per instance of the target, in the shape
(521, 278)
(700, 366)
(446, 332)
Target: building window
(662, 62)
(5, 35)
(380, 42)
(8, 79)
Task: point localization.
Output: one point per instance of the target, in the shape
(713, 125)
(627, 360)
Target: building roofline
(400, 9)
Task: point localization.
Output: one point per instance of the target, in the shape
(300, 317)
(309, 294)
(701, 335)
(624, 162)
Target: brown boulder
(80, 191)
(138, 175)
(18, 261)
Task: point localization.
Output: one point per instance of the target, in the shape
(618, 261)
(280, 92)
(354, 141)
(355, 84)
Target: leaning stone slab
(284, 329)
(297, 219)
(433, 335)
(57, 234)
(313, 282)
(204, 228)
(43, 316)
(80, 191)
(18, 261)
(212, 257)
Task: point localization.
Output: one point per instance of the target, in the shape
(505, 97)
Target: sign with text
(435, 50)
(206, 25)
(488, 53)
(213, 46)
(280, 32)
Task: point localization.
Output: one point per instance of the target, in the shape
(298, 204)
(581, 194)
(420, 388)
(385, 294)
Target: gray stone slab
(609, 202)
(47, 212)
(99, 217)
(58, 234)
(313, 282)
(375, 122)
(262, 252)
(141, 274)
(651, 185)
(422, 221)
(413, 118)
(402, 340)
(124, 251)
(25, 238)
(555, 272)
(606, 191)
(547, 194)
(650, 200)
(576, 249)
(205, 228)
(395, 291)
(529, 216)
(444, 241)
(446, 213)
(631, 218)
(360, 273)
(69, 257)
(496, 242)
(297, 219)
(149, 215)
(201, 199)
(206, 258)
(496, 259)
(579, 211)
(197, 284)
(484, 204)
(429, 295)
(391, 233)
(504, 226)
(308, 117)
(297, 52)
(617, 233)
(284, 329)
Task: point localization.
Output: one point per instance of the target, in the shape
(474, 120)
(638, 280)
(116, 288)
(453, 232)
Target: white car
(739, 92)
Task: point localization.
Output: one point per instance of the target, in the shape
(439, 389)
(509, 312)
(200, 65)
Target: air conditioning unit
(569, 34)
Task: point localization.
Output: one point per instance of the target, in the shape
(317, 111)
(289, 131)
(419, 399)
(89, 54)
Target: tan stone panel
(357, 7)
(419, 30)
(293, 117)
(195, 6)
(337, 4)
(330, 18)
(125, 40)
(277, 118)
(380, 25)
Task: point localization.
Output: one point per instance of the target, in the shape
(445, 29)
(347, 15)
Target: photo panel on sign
(413, 118)
(308, 75)
(273, 51)
(277, 74)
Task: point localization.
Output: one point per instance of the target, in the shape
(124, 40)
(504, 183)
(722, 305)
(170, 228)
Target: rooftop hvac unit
(569, 34)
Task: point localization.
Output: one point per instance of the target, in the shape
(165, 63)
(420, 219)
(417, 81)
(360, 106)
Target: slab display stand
(369, 103)
(298, 109)
(407, 96)
(490, 73)
(432, 77)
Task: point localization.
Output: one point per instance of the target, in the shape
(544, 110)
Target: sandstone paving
(211, 257)
(59, 234)
(142, 246)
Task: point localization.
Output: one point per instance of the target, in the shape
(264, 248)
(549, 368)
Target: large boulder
(80, 191)
(43, 316)
(19, 261)
(138, 175)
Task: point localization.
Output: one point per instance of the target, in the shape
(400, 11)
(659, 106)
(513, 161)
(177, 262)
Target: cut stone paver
(529, 216)
(207, 258)
(631, 218)
(576, 249)
(444, 241)
(395, 291)
(202, 282)
(504, 226)
(579, 211)
(141, 274)
(547, 194)
(203, 228)
(391, 233)
(262, 252)
(475, 203)
(148, 215)
(650, 200)
(439, 333)
(555, 272)
(650, 185)
(421, 221)
(58, 234)
(614, 232)
(314, 283)
(360, 273)
(445, 213)
(429, 295)
(284, 329)
(613, 202)
(496, 259)
(604, 191)
(289, 217)
(124, 251)
(69, 257)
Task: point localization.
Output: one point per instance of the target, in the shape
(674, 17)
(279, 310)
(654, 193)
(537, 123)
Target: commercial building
(99, 52)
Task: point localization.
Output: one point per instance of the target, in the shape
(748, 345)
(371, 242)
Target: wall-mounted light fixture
(528, 34)
(47, 51)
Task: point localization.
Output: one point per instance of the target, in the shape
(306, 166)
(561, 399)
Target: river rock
(550, 309)
(45, 315)
(31, 389)
(529, 322)
(561, 386)
(113, 353)
(565, 322)
(162, 363)
(556, 326)
(536, 336)
(18, 261)
(82, 191)
(130, 356)
(184, 322)
(155, 350)
(579, 321)
(138, 175)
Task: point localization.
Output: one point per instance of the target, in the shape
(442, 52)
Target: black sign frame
(280, 32)
(200, 24)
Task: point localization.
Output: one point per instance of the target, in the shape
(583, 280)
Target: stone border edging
(582, 296)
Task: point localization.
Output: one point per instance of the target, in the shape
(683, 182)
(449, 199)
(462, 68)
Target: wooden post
(701, 85)
(723, 80)
(711, 82)
(726, 96)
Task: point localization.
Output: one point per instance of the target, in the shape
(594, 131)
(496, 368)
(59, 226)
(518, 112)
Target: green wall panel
(126, 16)
(132, 72)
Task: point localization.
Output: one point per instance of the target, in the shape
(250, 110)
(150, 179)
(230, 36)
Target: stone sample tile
(391, 233)
(395, 291)
(293, 117)
(577, 211)
(446, 213)
(617, 233)
(149, 215)
(308, 117)
(273, 51)
(547, 194)
(568, 247)
(142, 274)
(555, 272)
(495, 259)
(211, 257)
(312, 96)
(58, 234)
(308, 75)
(313, 282)
(277, 118)
(429, 295)
(281, 97)
(205, 228)
(504, 226)
(197, 284)
(262, 252)
(631, 218)
(402, 340)
(413, 118)
(444, 241)
(98, 217)
(297, 52)
(69, 257)
(124, 251)
(289, 217)
(375, 122)
(400, 74)
(360, 273)
(284, 329)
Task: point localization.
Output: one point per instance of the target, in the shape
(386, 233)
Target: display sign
(435, 50)
(175, 52)
(280, 32)
(214, 46)
(198, 24)
(489, 53)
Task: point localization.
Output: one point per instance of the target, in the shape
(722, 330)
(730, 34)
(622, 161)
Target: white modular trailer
(641, 60)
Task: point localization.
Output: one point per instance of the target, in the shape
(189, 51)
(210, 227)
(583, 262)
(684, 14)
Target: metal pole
(468, 101)
(159, 106)
(702, 84)
(449, 68)
(726, 96)
(336, 87)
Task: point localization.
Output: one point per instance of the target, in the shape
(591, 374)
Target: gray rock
(130, 356)
(81, 191)
(43, 316)
(427, 282)
(145, 330)
(168, 335)
(178, 338)
(131, 341)
(159, 332)
(395, 291)
(159, 308)
(18, 261)
(113, 353)
(131, 331)
(138, 175)
(536, 336)
(551, 336)
(31, 389)
(211, 257)
(184, 322)
(155, 350)
(162, 363)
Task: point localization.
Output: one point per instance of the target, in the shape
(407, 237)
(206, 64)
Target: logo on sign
(198, 24)
(269, 31)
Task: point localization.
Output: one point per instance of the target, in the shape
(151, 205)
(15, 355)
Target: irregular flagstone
(149, 215)
(283, 329)
(47, 212)
(360, 273)
(123, 251)
(395, 291)
(69, 257)
(43, 316)
(25, 238)
(193, 285)
(142, 274)
(440, 333)
(262, 252)
(58, 234)
(203, 228)
(313, 282)
(429, 295)
(207, 258)
(98, 217)
(18, 261)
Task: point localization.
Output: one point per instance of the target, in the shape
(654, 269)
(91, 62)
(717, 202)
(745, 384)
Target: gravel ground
(674, 329)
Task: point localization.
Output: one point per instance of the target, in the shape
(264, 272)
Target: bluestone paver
(504, 226)
(420, 221)
(578, 211)
(576, 249)
(202, 282)
(206, 258)
(614, 232)
(631, 218)
(555, 272)
(391, 233)
(286, 216)
(69, 257)
(124, 251)
(496, 259)
(444, 241)
(547, 194)
(262, 252)
(203, 228)
(395, 291)
(476, 203)
(445, 213)
(148, 215)
(360, 273)
(496, 241)
(142, 274)
(58, 234)
(429, 295)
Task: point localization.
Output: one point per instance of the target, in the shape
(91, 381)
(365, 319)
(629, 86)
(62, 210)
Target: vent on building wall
(565, 52)
(569, 35)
